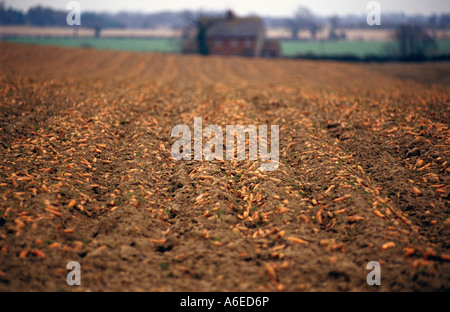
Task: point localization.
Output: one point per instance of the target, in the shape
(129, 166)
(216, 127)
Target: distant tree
(9, 16)
(413, 41)
(433, 25)
(444, 21)
(202, 42)
(99, 21)
(335, 33)
(201, 24)
(293, 25)
(334, 22)
(40, 16)
(97, 30)
(304, 19)
(102, 20)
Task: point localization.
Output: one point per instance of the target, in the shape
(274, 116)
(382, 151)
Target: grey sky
(244, 7)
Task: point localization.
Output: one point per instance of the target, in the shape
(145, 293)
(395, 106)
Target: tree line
(301, 19)
(41, 16)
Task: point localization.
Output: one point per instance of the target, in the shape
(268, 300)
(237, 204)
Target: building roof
(236, 27)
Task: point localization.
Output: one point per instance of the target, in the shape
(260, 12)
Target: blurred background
(407, 30)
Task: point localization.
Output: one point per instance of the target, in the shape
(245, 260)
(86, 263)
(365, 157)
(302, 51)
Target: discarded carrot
(53, 210)
(354, 219)
(319, 217)
(274, 230)
(341, 198)
(387, 245)
(378, 213)
(205, 234)
(330, 189)
(424, 167)
(72, 203)
(270, 271)
(419, 163)
(416, 191)
(24, 253)
(19, 223)
(54, 245)
(158, 241)
(39, 253)
(297, 240)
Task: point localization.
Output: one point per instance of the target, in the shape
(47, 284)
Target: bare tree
(433, 25)
(304, 19)
(413, 41)
(335, 32)
(97, 30)
(201, 24)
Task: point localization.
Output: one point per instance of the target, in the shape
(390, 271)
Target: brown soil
(86, 174)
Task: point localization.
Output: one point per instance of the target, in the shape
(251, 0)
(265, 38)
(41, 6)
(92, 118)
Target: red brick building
(231, 35)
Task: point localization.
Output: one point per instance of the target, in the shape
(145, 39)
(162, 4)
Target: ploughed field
(86, 174)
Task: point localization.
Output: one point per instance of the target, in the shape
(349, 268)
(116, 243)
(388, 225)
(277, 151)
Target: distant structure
(271, 48)
(231, 35)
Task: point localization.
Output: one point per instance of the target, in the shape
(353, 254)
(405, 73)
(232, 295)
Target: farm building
(231, 35)
(271, 48)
